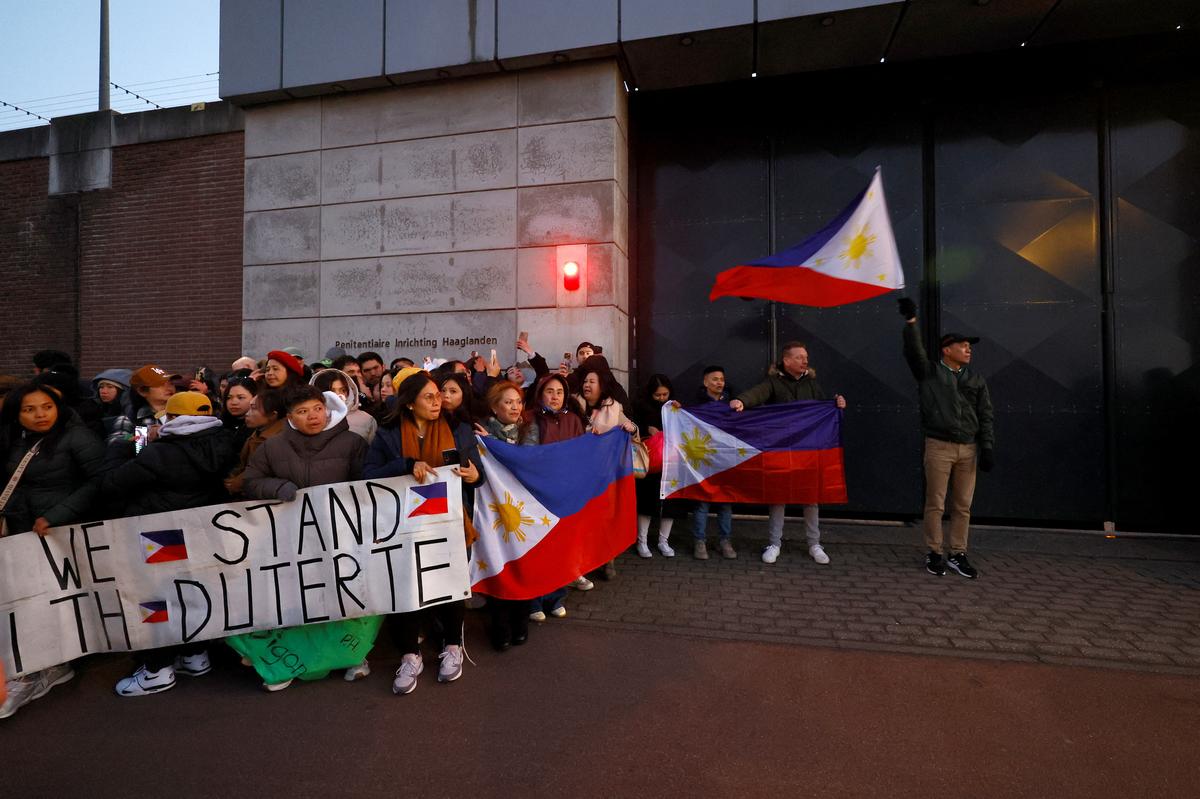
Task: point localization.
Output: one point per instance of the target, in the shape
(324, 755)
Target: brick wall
(153, 265)
(37, 266)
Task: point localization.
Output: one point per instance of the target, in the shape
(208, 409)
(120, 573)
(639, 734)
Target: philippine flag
(153, 612)
(164, 546)
(851, 259)
(548, 514)
(427, 500)
(774, 454)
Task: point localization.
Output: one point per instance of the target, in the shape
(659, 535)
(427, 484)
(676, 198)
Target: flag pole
(772, 321)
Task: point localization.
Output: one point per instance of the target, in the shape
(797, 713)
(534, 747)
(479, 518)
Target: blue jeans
(724, 520)
(549, 602)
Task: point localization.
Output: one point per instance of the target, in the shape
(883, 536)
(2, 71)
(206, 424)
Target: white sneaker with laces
(583, 584)
(770, 554)
(665, 548)
(559, 612)
(357, 672)
(451, 668)
(537, 615)
(643, 550)
(411, 667)
(144, 682)
(817, 553)
(193, 665)
(276, 686)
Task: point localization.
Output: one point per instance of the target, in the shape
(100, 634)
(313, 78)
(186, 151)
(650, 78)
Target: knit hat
(288, 360)
(150, 376)
(403, 375)
(189, 403)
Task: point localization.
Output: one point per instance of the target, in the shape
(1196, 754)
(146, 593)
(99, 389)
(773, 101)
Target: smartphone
(450, 457)
(523, 336)
(140, 433)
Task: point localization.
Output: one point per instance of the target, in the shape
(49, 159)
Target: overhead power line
(135, 94)
(18, 108)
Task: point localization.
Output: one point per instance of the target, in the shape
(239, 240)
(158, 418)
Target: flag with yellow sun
(547, 514)
(851, 259)
(774, 454)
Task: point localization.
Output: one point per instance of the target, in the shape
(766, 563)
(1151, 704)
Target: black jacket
(59, 485)
(386, 458)
(174, 473)
(782, 387)
(954, 407)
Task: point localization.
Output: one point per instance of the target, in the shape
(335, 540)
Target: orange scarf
(429, 449)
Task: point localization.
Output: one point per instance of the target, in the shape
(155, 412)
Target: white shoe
(665, 548)
(144, 682)
(559, 612)
(770, 554)
(643, 550)
(451, 668)
(193, 665)
(411, 667)
(817, 553)
(583, 584)
(276, 686)
(537, 615)
(357, 672)
(23, 690)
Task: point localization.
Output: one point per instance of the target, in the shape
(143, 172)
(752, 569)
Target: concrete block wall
(426, 220)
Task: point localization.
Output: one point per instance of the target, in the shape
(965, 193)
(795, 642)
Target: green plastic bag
(308, 652)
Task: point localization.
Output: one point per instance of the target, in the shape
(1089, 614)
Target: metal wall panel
(332, 42)
(251, 48)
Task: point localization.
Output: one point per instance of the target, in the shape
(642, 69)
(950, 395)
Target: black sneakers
(960, 564)
(935, 564)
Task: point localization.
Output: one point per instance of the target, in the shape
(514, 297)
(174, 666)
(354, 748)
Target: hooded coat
(183, 468)
(361, 422)
(59, 485)
(550, 426)
(113, 415)
(293, 460)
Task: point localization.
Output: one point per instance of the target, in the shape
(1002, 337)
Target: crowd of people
(146, 440)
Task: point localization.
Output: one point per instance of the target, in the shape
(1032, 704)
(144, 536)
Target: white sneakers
(583, 584)
(537, 615)
(451, 667)
(559, 612)
(411, 667)
(144, 682)
(770, 554)
(193, 665)
(643, 550)
(23, 690)
(817, 553)
(665, 548)
(357, 672)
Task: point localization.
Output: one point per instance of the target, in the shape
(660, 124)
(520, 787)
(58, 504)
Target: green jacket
(953, 407)
(782, 387)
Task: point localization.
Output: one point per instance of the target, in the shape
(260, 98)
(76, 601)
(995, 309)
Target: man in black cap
(956, 418)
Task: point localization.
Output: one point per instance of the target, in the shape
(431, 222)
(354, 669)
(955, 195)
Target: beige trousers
(949, 468)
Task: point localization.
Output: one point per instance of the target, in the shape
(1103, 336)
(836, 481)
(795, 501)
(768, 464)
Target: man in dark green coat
(956, 419)
(790, 381)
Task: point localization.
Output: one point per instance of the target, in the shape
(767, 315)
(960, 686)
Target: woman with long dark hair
(413, 439)
(339, 383)
(647, 413)
(235, 402)
(53, 461)
(283, 371)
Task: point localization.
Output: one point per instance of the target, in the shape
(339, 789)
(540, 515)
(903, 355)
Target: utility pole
(103, 100)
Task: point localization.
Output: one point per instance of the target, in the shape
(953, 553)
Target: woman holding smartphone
(416, 439)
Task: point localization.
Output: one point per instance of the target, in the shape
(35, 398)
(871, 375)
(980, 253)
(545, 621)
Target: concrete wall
(426, 220)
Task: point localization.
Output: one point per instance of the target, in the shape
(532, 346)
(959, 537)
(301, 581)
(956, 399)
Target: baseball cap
(294, 352)
(189, 403)
(955, 338)
(151, 376)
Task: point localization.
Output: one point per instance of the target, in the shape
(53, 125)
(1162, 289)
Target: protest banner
(341, 551)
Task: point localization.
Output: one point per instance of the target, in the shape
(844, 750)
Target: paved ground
(1066, 598)
(716, 678)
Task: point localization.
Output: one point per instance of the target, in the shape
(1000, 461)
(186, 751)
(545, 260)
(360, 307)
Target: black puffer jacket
(292, 460)
(174, 472)
(60, 485)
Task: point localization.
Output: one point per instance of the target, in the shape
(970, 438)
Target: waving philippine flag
(774, 454)
(547, 514)
(851, 259)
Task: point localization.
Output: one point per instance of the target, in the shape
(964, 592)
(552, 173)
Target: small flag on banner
(430, 500)
(153, 612)
(164, 546)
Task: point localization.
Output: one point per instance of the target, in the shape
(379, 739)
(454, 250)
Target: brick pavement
(1043, 597)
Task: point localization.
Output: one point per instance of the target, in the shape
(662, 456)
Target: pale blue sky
(165, 50)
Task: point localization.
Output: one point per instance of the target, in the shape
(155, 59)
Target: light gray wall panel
(784, 9)
(645, 19)
(422, 34)
(326, 42)
(251, 49)
(528, 27)
(419, 283)
(281, 292)
(283, 181)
